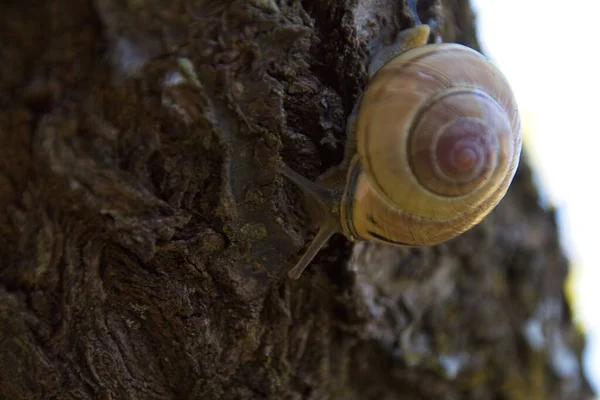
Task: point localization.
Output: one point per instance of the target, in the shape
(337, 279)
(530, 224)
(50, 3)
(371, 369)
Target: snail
(433, 144)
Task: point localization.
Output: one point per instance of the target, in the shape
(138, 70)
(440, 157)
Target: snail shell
(438, 142)
(432, 147)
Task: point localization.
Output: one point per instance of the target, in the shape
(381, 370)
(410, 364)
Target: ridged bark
(145, 236)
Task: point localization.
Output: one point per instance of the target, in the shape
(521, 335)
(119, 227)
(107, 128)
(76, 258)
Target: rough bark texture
(145, 235)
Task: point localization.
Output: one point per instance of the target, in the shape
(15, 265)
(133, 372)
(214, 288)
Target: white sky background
(550, 53)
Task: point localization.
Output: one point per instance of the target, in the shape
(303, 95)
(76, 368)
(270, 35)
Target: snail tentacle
(319, 193)
(326, 230)
(325, 212)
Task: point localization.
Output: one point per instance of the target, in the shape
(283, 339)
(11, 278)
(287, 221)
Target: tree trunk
(145, 235)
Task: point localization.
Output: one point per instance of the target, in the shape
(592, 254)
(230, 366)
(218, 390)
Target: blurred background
(553, 65)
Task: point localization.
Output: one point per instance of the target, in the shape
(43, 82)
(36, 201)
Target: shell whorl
(438, 135)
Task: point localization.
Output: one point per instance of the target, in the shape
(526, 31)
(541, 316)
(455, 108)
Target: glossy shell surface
(438, 143)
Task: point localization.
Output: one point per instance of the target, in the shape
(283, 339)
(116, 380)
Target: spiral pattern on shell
(438, 135)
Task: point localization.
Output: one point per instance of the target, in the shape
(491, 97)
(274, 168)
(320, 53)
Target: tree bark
(145, 235)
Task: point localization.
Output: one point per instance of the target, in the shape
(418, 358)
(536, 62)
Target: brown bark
(145, 236)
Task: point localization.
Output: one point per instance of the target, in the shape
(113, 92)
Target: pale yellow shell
(438, 142)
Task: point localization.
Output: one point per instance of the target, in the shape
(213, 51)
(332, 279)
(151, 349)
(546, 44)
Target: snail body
(433, 145)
